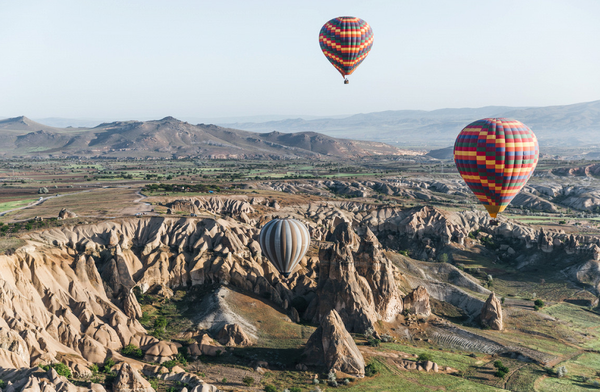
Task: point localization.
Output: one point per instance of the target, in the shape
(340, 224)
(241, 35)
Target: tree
(539, 303)
(133, 351)
(561, 372)
(371, 370)
(160, 324)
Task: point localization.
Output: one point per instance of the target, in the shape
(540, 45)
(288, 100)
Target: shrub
(536, 308)
(371, 370)
(132, 351)
(403, 252)
(248, 381)
(181, 358)
(423, 357)
(270, 388)
(444, 258)
(333, 384)
(561, 372)
(171, 389)
(331, 376)
(295, 389)
(374, 342)
(369, 333)
(153, 384)
(94, 369)
(316, 381)
(539, 303)
(108, 365)
(224, 381)
(502, 370)
(502, 300)
(170, 364)
(386, 338)
(61, 369)
(160, 324)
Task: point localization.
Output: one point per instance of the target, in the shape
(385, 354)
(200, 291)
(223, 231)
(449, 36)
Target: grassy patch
(15, 204)
(164, 318)
(275, 330)
(8, 245)
(567, 384)
(389, 381)
(459, 361)
(580, 318)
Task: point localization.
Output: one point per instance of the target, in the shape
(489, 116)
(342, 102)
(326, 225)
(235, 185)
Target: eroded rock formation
(233, 335)
(417, 302)
(129, 380)
(332, 346)
(491, 313)
(356, 280)
(66, 214)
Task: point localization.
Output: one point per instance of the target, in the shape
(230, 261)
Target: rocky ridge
(68, 294)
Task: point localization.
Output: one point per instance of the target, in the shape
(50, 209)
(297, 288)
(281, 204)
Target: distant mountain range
(172, 138)
(569, 125)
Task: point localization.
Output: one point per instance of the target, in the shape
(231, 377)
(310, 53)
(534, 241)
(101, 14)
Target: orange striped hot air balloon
(496, 157)
(346, 42)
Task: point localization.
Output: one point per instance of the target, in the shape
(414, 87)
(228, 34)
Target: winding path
(42, 200)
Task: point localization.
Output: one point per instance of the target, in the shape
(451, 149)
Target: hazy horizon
(150, 59)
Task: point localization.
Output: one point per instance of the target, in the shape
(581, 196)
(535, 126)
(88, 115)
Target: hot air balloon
(346, 42)
(284, 242)
(496, 157)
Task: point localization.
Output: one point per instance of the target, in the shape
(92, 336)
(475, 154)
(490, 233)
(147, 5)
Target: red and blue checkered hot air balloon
(496, 157)
(346, 42)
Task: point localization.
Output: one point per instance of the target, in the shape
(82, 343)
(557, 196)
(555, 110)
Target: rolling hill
(569, 125)
(172, 138)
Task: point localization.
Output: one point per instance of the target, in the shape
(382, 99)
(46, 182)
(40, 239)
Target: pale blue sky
(205, 59)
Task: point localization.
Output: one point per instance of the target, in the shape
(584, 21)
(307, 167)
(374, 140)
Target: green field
(397, 381)
(16, 204)
(459, 361)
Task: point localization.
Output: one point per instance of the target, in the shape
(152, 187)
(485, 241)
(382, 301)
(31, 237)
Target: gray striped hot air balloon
(284, 242)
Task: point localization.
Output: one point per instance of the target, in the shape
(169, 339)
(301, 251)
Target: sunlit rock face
(332, 347)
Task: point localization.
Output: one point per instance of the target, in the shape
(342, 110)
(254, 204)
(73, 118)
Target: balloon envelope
(496, 157)
(346, 41)
(284, 242)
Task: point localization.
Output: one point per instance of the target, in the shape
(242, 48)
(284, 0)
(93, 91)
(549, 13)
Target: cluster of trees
(201, 188)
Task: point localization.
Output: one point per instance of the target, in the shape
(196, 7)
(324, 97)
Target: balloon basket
(346, 81)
